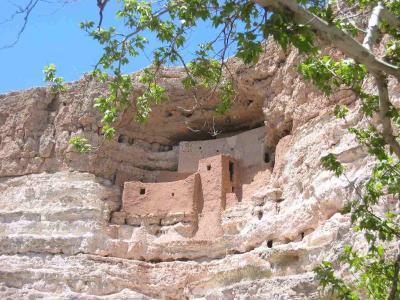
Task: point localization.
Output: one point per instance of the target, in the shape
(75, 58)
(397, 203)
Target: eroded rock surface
(56, 238)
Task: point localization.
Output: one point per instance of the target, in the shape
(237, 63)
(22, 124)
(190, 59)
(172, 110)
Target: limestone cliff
(57, 240)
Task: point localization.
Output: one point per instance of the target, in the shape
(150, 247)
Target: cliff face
(56, 238)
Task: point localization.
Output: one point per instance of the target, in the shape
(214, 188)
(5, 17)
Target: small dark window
(217, 150)
(64, 104)
(233, 189)
(208, 167)
(121, 139)
(200, 148)
(260, 215)
(114, 178)
(269, 244)
(172, 194)
(231, 170)
(142, 191)
(302, 235)
(267, 158)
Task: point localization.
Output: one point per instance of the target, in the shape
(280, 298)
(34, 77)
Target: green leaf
(80, 144)
(56, 83)
(330, 163)
(341, 111)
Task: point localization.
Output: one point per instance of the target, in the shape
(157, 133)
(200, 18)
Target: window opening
(231, 170)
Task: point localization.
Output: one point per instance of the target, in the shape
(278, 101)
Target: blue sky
(53, 36)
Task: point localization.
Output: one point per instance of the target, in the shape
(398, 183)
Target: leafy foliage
(239, 25)
(327, 74)
(55, 82)
(332, 164)
(227, 94)
(80, 144)
(341, 111)
(326, 275)
(374, 272)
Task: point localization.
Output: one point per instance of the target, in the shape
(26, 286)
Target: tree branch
(384, 107)
(343, 41)
(372, 32)
(381, 81)
(394, 292)
(26, 11)
(101, 4)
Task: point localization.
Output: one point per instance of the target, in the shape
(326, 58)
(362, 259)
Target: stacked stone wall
(248, 147)
(163, 202)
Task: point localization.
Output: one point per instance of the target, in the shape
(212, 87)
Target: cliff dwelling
(232, 167)
(210, 177)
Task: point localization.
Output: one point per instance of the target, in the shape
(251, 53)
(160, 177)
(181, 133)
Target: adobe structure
(162, 203)
(208, 180)
(247, 147)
